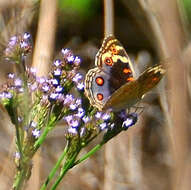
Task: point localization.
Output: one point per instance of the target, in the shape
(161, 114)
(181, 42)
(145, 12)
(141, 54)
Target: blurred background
(153, 154)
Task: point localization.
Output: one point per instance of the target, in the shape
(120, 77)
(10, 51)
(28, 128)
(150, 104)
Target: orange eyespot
(127, 71)
(155, 79)
(130, 79)
(113, 49)
(99, 81)
(100, 96)
(108, 61)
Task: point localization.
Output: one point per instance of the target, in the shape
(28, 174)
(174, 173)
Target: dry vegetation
(155, 153)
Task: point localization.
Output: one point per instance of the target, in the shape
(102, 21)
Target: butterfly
(112, 83)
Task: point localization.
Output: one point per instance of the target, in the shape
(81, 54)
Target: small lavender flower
(80, 113)
(33, 70)
(57, 62)
(68, 99)
(59, 89)
(45, 88)
(103, 126)
(78, 101)
(65, 52)
(106, 116)
(20, 119)
(74, 123)
(57, 72)
(53, 96)
(11, 75)
(18, 82)
(33, 87)
(33, 124)
(72, 130)
(17, 155)
(8, 95)
(77, 77)
(41, 80)
(12, 41)
(23, 44)
(98, 115)
(77, 61)
(85, 119)
(36, 133)
(80, 86)
(55, 82)
(70, 58)
(73, 106)
(26, 36)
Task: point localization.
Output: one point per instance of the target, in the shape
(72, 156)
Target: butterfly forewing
(130, 93)
(113, 67)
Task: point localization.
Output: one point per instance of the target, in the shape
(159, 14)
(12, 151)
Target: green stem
(66, 167)
(53, 171)
(47, 129)
(86, 156)
(22, 175)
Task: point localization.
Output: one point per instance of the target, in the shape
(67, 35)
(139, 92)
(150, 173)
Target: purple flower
(33, 70)
(20, 119)
(24, 44)
(78, 102)
(41, 80)
(80, 113)
(55, 82)
(77, 77)
(33, 87)
(80, 86)
(127, 123)
(36, 133)
(17, 155)
(45, 88)
(68, 99)
(72, 130)
(57, 72)
(68, 118)
(65, 51)
(70, 58)
(130, 120)
(74, 123)
(53, 96)
(85, 119)
(106, 116)
(8, 95)
(98, 115)
(77, 61)
(26, 36)
(12, 41)
(73, 106)
(11, 75)
(33, 124)
(57, 62)
(103, 126)
(59, 89)
(18, 82)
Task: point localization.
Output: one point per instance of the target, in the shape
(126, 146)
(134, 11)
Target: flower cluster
(18, 46)
(54, 97)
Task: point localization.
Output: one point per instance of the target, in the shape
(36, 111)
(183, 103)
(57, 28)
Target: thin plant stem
(55, 168)
(47, 129)
(86, 156)
(66, 167)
